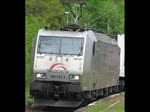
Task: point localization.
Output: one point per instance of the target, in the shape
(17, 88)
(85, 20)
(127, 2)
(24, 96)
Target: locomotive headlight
(74, 77)
(39, 75)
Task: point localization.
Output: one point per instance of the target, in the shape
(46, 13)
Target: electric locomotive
(69, 67)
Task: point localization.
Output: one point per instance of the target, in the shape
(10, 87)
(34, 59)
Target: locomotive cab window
(60, 45)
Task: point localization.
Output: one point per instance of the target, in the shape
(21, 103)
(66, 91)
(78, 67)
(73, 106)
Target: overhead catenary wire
(97, 18)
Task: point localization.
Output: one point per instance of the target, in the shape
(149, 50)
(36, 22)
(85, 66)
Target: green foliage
(112, 22)
(27, 96)
(101, 106)
(97, 108)
(50, 11)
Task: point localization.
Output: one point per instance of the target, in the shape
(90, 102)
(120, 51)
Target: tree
(40, 13)
(112, 22)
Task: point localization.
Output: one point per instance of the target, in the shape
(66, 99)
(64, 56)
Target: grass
(119, 107)
(109, 104)
(96, 108)
(27, 96)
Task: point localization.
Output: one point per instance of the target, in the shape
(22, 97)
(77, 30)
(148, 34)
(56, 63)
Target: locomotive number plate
(57, 76)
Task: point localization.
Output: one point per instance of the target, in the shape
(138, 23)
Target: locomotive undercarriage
(55, 90)
(66, 94)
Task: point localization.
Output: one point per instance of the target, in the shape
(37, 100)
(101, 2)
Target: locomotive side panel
(86, 80)
(107, 71)
(101, 63)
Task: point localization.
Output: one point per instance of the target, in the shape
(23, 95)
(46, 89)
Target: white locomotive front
(57, 66)
(58, 56)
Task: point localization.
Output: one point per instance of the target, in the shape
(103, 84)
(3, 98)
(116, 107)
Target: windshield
(60, 45)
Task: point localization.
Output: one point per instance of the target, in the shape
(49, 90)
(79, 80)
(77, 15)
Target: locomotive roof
(58, 33)
(105, 39)
(100, 37)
